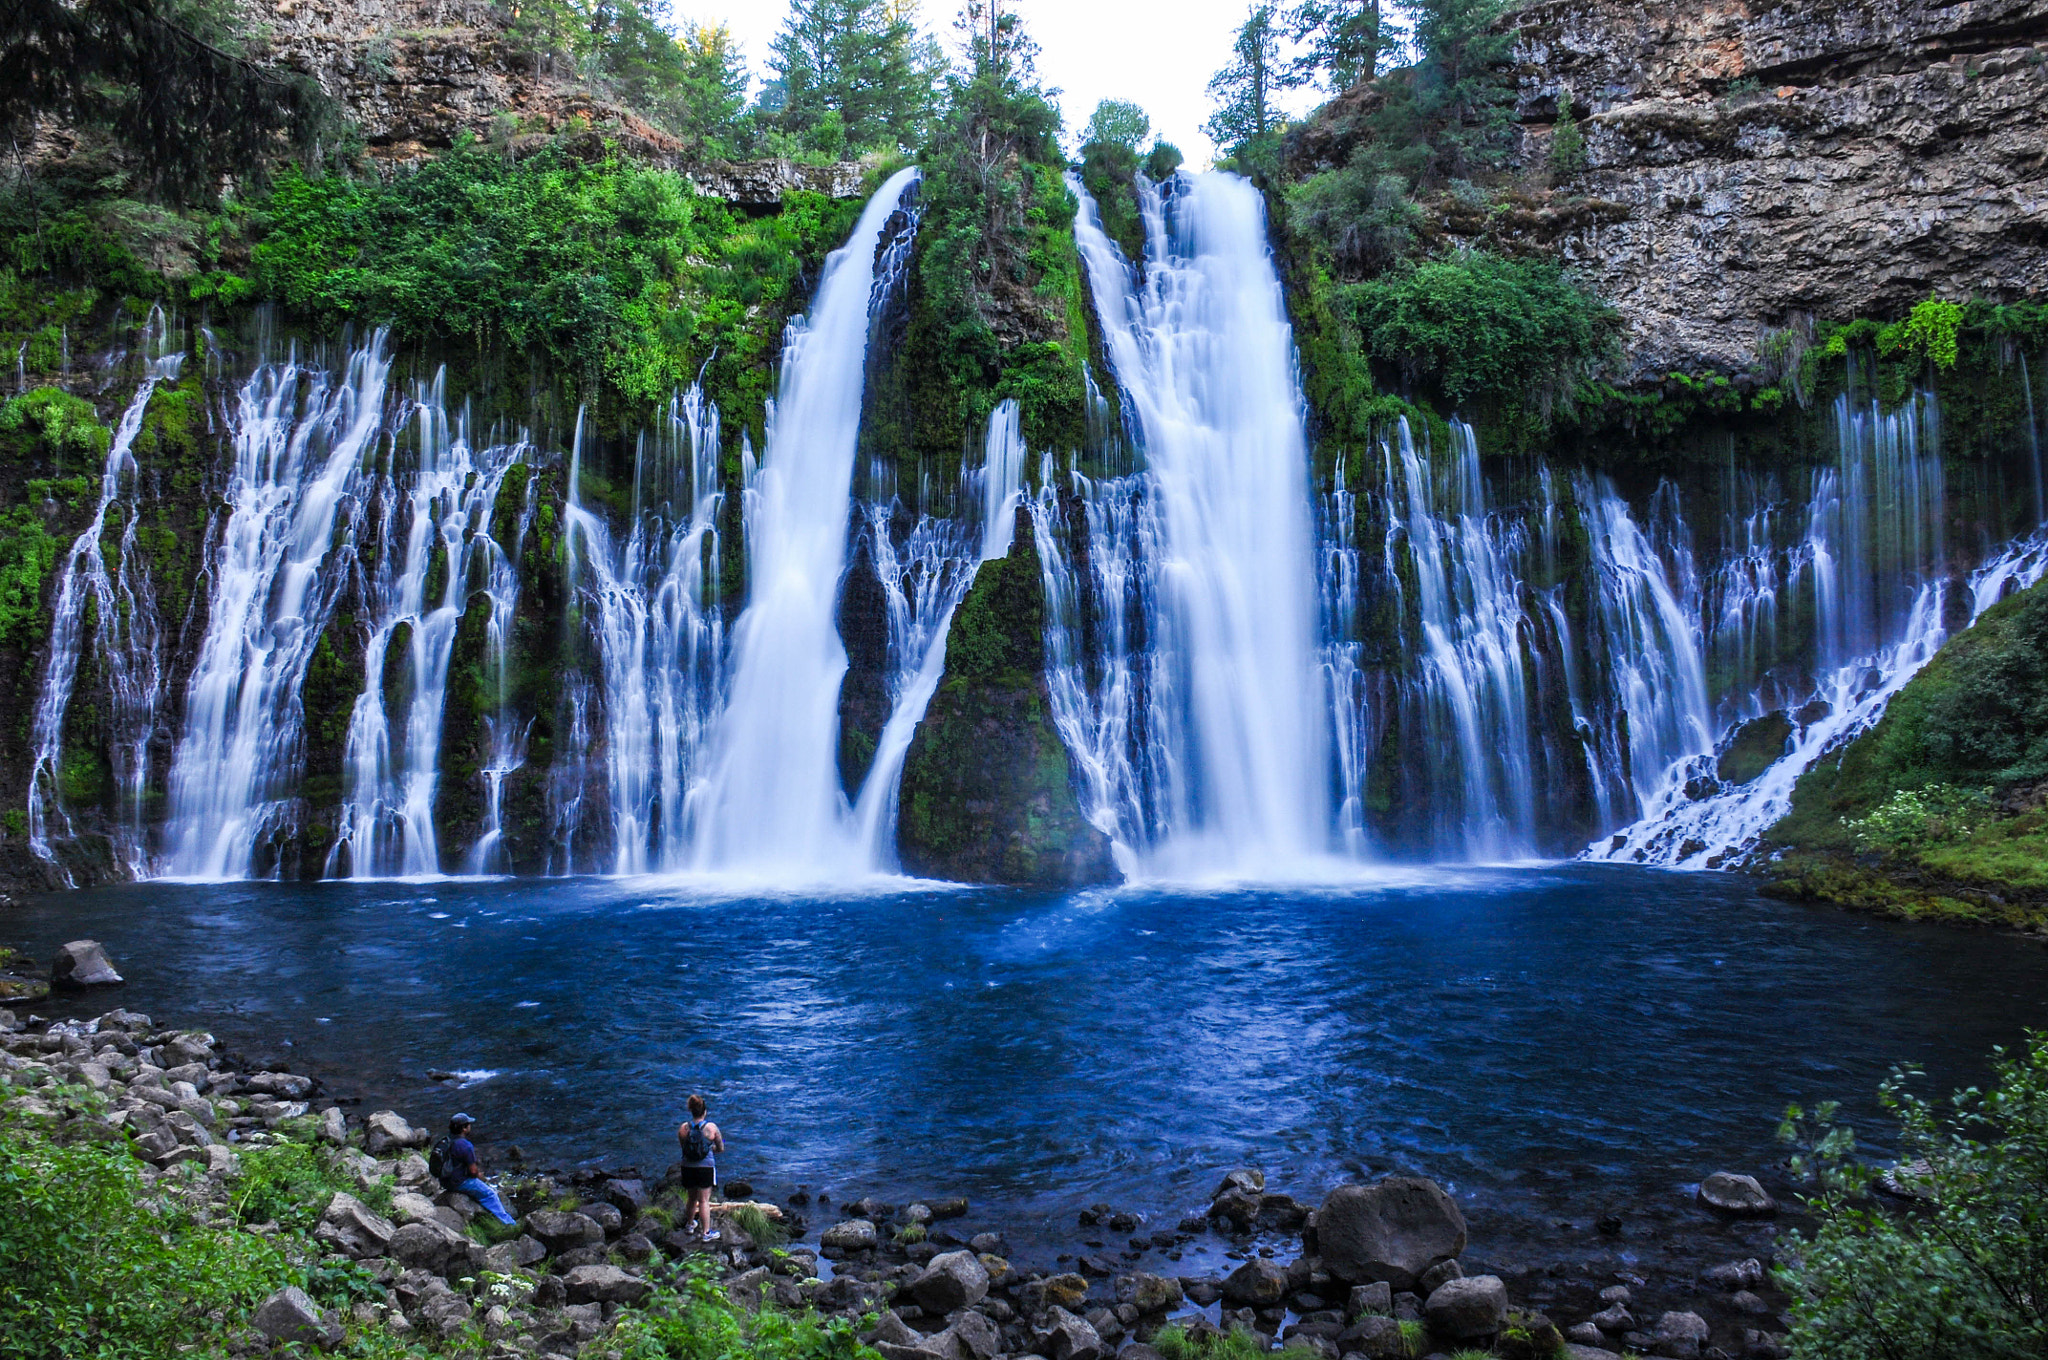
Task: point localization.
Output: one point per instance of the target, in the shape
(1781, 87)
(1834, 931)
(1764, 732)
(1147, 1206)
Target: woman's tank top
(710, 1157)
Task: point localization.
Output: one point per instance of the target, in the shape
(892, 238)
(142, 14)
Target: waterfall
(127, 638)
(660, 630)
(1202, 350)
(505, 750)
(301, 436)
(430, 539)
(1869, 574)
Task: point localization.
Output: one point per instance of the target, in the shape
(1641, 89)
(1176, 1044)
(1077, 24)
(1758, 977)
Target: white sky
(1159, 54)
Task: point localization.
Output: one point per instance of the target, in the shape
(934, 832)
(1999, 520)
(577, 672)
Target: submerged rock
(1736, 1196)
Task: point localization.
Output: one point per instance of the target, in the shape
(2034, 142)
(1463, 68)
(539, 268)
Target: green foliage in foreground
(1963, 1273)
(1481, 326)
(1176, 1342)
(697, 1321)
(609, 270)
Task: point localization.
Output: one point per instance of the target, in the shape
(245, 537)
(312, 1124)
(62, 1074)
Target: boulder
(628, 1195)
(971, 1337)
(1258, 1283)
(1247, 1180)
(350, 1227)
(1058, 1291)
(1150, 1293)
(433, 1246)
(560, 1230)
(1681, 1336)
(1066, 1337)
(410, 1207)
(1736, 1196)
(606, 1216)
(519, 1253)
(333, 1126)
(83, 963)
(289, 1315)
(1443, 1272)
(1734, 1275)
(952, 1281)
(1377, 1297)
(603, 1284)
(856, 1234)
(386, 1131)
(1392, 1231)
(891, 1330)
(1376, 1338)
(1468, 1309)
(1615, 1319)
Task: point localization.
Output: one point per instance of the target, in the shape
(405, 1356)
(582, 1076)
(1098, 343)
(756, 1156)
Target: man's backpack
(438, 1165)
(696, 1143)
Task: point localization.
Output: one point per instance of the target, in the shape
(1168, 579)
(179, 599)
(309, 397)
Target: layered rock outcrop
(1751, 161)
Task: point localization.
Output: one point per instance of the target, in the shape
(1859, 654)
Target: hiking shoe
(711, 1236)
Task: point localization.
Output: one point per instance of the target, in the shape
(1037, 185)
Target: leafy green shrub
(1567, 141)
(1914, 819)
(1482, 325)
(766, 1232)
(1931, 329)
(1959, 1272)
(93, 1264)
(697, 1321)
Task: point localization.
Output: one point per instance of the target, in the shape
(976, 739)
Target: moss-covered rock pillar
(987, 789)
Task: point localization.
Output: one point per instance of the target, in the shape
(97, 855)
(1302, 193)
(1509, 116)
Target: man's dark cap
(461, 1121)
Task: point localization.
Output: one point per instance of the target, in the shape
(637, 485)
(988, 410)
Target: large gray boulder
(1469, 1309)
(1150, 1293)
(951, 1281)
(518, 1254)
(290, 1315)
(1376, 1338)
(971, 1337)
(561, 1231)
(350, 1227)
(435, 1247)
(1736, 1196)
(82, 963)
(386, 1131)
(1391, 1231)
(1681, 1336)
(604, 1284)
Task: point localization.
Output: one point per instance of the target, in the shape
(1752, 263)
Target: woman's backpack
(696, 1143)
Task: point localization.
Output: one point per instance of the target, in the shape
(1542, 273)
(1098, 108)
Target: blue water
(1552, 1043)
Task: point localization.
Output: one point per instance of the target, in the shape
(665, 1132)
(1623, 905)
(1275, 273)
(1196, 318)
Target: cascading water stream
(127, 638)
(1204, 355)
(300, 438)
(431, 534)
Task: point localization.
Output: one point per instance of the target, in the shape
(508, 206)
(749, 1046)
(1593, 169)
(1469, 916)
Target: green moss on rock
(987, 787)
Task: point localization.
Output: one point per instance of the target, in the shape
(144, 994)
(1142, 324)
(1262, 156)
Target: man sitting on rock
(460, 1170)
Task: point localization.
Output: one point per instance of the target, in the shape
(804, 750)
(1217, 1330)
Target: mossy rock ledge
(987, 789)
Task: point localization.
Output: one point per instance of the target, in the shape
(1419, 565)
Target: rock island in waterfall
(1411, 723)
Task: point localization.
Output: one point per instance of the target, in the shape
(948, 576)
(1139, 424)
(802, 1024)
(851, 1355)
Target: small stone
(333, 1126)
(1736, 1196)
(1257, 1283)
(1150, 1293)
(1067, 1337)
(1749, 1303)
(1616, 1319)
(1468, 1309)
(83, 963)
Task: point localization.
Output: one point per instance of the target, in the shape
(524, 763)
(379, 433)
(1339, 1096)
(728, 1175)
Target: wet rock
(856, 1234)
(82, 963)
(1736, 1196)
(1202, 1293)
(1468, 1309)
(1257, 1283)
(290, 1315)
(1150, 1293)
(987, 1244)
(563, 1230)
(350, 1227)
(603, 1284)
(1057, 1291)
(1749, 1303)
(1376, 1338)
(386, 1131)
(1439, 1274)
(519, 1253)
(1377, 1297)
(952, 1206)
(1680, 1336)
(1734, 1275)
(1761, 1345)
(1392, 1231)
(953, 1280)
(1614, 1320)
(629, 1196)
(1066, 1337)
(1281, 1213)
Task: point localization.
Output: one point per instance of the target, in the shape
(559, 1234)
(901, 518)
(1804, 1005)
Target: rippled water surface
(1549, 1042)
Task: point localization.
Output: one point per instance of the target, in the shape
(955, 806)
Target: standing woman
(701, 1143)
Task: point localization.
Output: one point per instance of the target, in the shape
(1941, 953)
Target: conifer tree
(1244, 90)
(857, 67)
(1342, 42)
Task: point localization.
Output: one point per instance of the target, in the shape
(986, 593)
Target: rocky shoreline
(1374, 1271)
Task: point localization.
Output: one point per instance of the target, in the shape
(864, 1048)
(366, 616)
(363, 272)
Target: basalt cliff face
(1749, 162)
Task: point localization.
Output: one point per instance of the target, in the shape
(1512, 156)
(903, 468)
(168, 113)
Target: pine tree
(1342, 41)
(856, 69)
(1244, 89)
(712, 100)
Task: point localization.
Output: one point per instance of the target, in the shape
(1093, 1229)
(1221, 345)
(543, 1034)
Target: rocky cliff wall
(1750, 161)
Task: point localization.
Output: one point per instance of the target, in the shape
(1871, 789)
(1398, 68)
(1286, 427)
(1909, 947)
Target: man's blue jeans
(484, 1195)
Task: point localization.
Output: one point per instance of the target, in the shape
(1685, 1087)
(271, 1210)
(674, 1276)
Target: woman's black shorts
(698, 1177)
